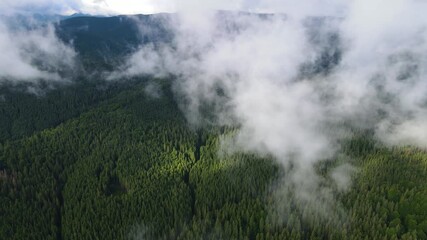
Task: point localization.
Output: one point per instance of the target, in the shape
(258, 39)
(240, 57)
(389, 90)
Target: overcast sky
(112, 7)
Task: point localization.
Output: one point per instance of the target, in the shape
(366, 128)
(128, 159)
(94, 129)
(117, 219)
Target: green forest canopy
(113, 163)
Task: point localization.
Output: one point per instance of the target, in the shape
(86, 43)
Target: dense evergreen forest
(117, 163)
(96, 159)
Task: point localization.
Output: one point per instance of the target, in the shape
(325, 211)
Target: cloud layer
(291, 82)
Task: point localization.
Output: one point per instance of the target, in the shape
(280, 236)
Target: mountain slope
(132, 168)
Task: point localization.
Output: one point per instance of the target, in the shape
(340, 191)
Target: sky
(107, 7)
(114, 7)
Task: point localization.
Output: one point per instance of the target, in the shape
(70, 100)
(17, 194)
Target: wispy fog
(292, 81)
(32, 54)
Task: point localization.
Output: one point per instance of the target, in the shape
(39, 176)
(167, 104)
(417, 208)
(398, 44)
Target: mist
(291, 79)
(31, 51)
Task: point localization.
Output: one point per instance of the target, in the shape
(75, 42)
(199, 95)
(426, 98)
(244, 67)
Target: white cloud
(155, 6)
(31, 55)
(380, 82)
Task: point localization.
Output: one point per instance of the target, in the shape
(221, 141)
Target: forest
(114, 162)
(85, 155)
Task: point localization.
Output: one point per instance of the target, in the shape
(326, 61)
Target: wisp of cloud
(31, 51)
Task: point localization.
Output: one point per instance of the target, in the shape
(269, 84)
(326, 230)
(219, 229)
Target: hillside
(213, 124)
(130, 167)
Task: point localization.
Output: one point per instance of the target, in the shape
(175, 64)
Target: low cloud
(32, 52)
(290, 82)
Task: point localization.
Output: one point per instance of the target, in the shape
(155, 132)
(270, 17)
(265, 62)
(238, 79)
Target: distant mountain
(108, 39)
(74, 15)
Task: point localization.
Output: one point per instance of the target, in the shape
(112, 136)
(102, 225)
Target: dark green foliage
(23, 112)
(125, 165)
